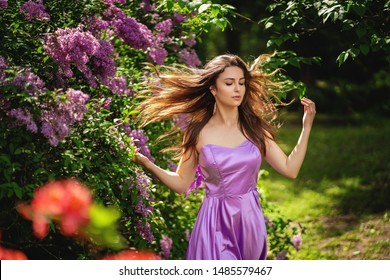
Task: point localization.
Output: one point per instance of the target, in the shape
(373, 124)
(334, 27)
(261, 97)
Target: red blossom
(66, 202)
(11, 254)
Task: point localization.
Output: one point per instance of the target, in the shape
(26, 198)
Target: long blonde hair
(184, 90)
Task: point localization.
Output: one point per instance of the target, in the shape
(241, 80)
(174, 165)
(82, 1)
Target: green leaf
(360, 9)
(354, 52)
(203, 8)
(102, 216)
(365, 49)
(342, 57)
(361, 32)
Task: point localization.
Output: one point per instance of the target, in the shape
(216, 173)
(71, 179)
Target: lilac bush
(67, 108)
(69, 79)
(34, 10)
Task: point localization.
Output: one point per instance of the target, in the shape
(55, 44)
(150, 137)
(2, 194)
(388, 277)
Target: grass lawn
(342, 194)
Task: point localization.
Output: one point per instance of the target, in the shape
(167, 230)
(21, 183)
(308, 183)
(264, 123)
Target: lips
(237, 97)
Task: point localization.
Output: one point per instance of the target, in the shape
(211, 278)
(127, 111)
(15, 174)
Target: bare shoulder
(204, 136)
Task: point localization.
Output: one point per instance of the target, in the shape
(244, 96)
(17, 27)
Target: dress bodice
(230, 171)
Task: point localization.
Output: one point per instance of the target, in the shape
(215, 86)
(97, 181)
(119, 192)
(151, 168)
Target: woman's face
(229, 88)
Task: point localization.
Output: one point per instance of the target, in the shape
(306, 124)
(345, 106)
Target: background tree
(339, 49)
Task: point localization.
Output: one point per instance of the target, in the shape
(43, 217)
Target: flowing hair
(184, 90)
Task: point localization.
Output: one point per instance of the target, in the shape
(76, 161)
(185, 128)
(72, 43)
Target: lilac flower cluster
(133, 33)
(158, 55)
(296, 240)
(96, 25)
(189, 57)
(23, 117)
(164, 26)
(166, 246)
(282, 255)
(140, 140)
(190, 42)
(107, 104)
(142, 182)
(3, 4)
(3, 65)
(104, 66)
(72, 45)
(181, 121)
(178, 18)
(141, 208)
(145, 231)
(29, 82)
(146, 6)
(33, 10)
(118, 85)
(157, 51)
(56, 122)
(172, 166)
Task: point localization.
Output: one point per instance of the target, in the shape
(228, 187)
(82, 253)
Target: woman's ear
(212, 90)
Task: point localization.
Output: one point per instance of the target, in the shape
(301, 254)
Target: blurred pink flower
(66, 202)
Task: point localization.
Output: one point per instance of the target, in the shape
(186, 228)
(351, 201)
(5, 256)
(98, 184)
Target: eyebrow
(233, 79)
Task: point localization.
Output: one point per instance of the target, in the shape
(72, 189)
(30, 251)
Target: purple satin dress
(230, 223)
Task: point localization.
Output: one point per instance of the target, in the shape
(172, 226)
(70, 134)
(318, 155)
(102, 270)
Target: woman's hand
(309, 108)
(140, 158)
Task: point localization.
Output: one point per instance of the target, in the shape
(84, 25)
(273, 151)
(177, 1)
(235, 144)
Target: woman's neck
(228, 116)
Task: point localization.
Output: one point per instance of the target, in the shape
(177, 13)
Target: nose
(236, 87)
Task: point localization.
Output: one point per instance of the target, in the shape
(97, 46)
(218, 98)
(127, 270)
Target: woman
(228, 137)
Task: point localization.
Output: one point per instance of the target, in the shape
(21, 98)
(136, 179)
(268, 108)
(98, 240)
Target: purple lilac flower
(172, 166)
(56, 122)
(24, 117)
(141, 208)
(133, 33)
(296, 241)
(189, 57)
(145, 231)
(140, 140)
(164, 26)
(3, 4)
(107, 104)
(190, 42)
(166, 246)
(181, 121)
(142, 182)
(282, 255)
(96, 25)
(104, 66)
(3, 64)
(178, 18)
(29, 82)
(34, 10)
(118, 85)
(72, 45)
(112, 12)
(158, 55)
(115, 1)
(146, 6)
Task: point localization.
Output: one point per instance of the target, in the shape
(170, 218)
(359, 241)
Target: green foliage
(363, 22)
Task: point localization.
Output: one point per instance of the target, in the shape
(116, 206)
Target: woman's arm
(178, 181)
(290, 166)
